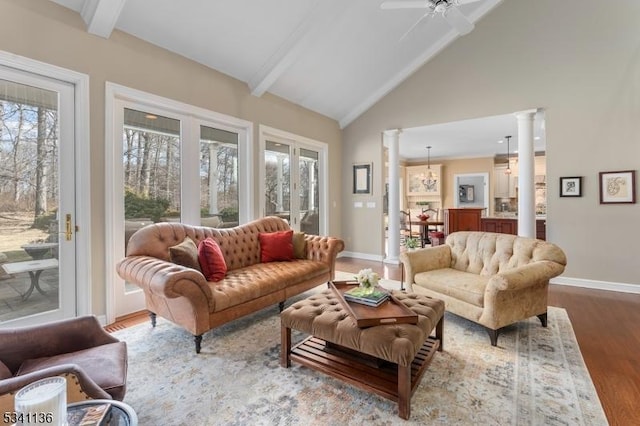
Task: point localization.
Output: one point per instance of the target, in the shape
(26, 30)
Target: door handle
(68, 228)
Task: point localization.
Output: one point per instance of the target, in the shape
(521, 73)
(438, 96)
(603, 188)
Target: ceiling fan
(447, 8)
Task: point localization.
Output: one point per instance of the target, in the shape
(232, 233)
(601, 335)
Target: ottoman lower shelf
(361, 370)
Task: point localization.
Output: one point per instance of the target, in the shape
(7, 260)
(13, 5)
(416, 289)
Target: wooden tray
(389, 312)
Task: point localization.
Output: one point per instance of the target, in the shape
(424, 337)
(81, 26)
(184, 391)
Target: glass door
(37, 199)
(292, 184)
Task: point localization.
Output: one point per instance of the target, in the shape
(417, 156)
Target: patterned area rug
(535, 376)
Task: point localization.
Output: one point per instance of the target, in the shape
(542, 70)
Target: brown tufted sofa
(489, 278)
(182, 295)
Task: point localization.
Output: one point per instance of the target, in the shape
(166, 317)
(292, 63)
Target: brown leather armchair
(93, 361)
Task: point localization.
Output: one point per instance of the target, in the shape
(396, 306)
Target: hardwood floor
(606, 324)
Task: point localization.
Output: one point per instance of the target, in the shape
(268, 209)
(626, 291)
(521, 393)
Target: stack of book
(360, 295)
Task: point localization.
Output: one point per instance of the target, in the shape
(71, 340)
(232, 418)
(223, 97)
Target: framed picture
(618, 187)
(362, 178)
(571, 186)
(423, 181)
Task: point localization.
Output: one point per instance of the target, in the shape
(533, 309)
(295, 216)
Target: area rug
(535, 376)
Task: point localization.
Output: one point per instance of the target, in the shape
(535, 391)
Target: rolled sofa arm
(324, 249)
(422, 260)
(165, 279)
(524, 276)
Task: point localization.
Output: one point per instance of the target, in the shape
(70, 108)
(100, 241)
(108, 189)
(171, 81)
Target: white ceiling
(335, 57)
(480, 137)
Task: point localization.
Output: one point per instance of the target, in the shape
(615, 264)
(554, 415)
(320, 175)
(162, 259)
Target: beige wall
(42, 30)
(577, 59)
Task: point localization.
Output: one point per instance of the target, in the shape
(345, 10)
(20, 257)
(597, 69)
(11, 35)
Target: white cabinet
(504, 184)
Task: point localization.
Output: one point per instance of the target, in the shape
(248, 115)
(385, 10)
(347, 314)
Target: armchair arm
(165, 279)
(51, 339)
(79, 386)
(422, 260)
(324, 249)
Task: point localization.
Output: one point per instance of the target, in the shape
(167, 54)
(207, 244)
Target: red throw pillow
(276, 245)
(212, 263)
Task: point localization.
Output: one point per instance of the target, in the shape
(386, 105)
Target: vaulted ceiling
(335, 57)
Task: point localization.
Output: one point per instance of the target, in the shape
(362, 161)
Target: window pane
(29, 199)
(309, 194)
(277, 180)
(218, 177)
(151, 169)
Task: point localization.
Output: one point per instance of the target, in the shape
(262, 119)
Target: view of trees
(28, 158)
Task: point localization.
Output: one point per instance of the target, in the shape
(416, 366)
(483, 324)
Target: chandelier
(431, 177)
(508, 170)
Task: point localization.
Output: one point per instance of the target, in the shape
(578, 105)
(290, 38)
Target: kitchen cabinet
(510, 226)
(461, 220)
(505, 185)
(500, 225)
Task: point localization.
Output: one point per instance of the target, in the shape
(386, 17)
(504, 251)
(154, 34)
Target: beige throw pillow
(185, 254)
(299, 245)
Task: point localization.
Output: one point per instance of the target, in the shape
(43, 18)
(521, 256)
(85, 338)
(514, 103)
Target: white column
(392, 142)
(213, 178)
(526, 184)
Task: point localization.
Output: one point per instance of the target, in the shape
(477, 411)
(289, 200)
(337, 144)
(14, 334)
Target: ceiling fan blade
(414, 25)
(404, 5)
(458, 21)
(465, 1)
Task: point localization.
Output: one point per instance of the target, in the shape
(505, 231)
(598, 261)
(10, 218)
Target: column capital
(392, 132)
(528, 113)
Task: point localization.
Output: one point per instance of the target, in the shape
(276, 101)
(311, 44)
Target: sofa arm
(524, 276)
(166, 279)
(422, 260)
(324, 249)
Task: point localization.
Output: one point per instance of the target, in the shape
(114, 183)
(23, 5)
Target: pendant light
(508, 170)
(431, 178)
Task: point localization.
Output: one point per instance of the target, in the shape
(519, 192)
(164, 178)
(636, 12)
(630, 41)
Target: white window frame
(192, 117)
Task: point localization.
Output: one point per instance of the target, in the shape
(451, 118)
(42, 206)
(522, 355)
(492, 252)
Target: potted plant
(411, 243)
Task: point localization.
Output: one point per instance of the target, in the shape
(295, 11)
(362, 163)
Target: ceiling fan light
(441, 7)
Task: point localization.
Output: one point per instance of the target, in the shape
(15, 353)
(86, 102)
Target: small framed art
(618, 187)
(362, 178)
(571, 186)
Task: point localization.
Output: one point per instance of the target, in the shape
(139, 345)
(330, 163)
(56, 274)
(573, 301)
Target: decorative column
(213, 178)
(526, 184)
(391, 140)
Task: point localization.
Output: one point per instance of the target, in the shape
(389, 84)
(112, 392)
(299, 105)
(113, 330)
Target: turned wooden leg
(493, 336)
(281, 306)
(152, 315)
(543, 319)
(198, 340)
(404, 392)
(440, 333)
(285, 346)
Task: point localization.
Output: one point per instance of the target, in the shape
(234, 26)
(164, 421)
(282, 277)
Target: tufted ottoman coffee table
(388, 360)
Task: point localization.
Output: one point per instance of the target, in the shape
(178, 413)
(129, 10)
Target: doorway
(471, 190)
(40, 251)
(294, 171)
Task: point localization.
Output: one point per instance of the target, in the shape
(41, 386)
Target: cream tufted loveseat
(489, 278)
(183, 295)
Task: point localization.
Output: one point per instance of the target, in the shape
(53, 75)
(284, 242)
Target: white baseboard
(597, 285)
(572, 282)
(102, 319)
(363, 256)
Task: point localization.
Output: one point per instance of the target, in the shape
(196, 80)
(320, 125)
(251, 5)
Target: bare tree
(40, 172)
